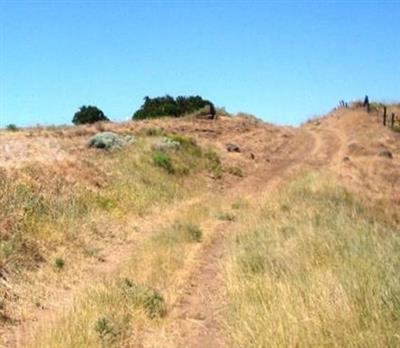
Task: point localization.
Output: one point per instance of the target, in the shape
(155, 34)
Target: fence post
(384, 115)
(392, 119)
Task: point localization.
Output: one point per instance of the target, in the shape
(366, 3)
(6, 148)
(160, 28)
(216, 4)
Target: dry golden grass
(59, 218)
(107, 315)
(315, 266)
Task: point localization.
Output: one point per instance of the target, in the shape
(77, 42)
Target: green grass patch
(164, 161)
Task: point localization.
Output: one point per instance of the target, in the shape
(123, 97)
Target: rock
(346, 159)
(252, 156)
(386, 153)
(109, 140)
(232, 147)
(356, 149)
(166, 144)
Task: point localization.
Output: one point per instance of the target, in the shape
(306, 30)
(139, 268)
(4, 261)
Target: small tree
(89, 114)
(12, 127)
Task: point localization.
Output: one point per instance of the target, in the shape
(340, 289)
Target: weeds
(153, 131)
(164, 161)
(214, 163)
(227, 216)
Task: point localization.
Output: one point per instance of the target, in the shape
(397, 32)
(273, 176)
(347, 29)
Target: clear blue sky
(282, 61)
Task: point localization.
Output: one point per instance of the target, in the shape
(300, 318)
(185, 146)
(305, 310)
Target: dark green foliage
(168, 106)
(88, 114)
(12, 127)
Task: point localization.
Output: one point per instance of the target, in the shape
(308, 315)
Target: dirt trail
(197, 318)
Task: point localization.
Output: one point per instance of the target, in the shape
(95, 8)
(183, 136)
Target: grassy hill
(173, 240)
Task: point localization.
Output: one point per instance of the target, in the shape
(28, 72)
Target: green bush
(163, 160)
(88, 114)
(168, 106)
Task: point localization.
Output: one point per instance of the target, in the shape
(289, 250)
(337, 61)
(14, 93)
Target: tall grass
(316, 266)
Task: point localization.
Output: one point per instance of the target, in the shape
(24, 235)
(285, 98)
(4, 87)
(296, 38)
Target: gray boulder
(109, 140)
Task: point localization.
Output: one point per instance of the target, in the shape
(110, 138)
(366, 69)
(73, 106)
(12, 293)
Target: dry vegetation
(291, 241)
(315, 266)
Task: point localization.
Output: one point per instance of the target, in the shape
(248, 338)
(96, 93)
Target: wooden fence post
(392, 120)
(384, 115)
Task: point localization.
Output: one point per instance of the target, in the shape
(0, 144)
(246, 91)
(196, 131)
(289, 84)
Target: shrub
(59, 263)
(12, 127)
(168, 106)
(88, 114)
(105, 328)
(163, 160)
(150, 299)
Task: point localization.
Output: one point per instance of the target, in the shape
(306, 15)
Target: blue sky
(283, 61)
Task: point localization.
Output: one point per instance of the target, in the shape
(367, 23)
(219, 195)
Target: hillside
(291, 239)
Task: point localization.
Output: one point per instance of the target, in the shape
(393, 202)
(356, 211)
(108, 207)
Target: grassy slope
(113, 313)
(315, 266)
(59, 218)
